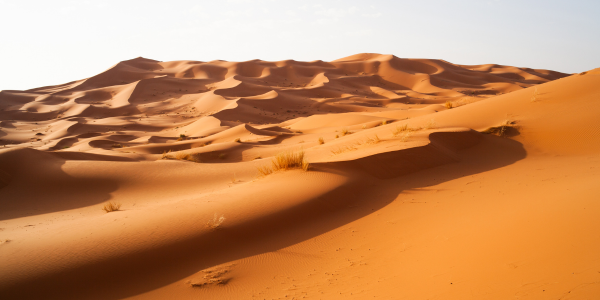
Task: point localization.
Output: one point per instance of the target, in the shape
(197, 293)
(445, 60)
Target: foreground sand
(442, 211)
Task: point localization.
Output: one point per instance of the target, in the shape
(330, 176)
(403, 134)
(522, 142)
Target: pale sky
(52, 42)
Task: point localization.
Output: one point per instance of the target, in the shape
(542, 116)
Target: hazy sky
(52, 42)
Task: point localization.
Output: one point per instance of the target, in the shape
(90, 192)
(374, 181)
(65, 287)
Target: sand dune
(426, 180)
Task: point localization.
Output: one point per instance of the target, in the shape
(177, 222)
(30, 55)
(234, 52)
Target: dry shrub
(373, 140)
(384, 122)
(111, 206)
(449, 104)
(290, 160)
(181, 156)
(321, 141)
(264, 170)
(345, 131)
(501, 129)
(285, 161)
(337, 136)
(117, 146)
(238, 140)
(216, 221)
(404, 128)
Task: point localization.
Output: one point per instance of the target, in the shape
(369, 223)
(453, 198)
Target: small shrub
(216, 221)
(501, 129)
(290, 160)
(264, 170)
(373, 140)
(183, 136)
(345, 131)
(238, 140)
(384, 122)
(449, 104)
(337, 136)
(321, 141)
(111, 206)
(405, 137)
(117, 146)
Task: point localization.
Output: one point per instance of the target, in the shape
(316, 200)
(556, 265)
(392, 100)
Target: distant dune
(367, 177)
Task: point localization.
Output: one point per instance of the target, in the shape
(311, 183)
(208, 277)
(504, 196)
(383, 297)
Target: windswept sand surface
(431, 181)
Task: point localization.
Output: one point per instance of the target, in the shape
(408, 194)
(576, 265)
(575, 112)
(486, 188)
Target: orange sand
(442, 211)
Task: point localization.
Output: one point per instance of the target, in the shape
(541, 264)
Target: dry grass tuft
(290, 160)
(403, 129)
(449, 104)
(264, 170)
(181, 156)
(216, 221)
(373, 140)
(501, 129)
(345, 131)
(321, 141)
(111, 206)
(285, 161)
(344, 149)
(117, 146)
(384, 122)
(238, 140)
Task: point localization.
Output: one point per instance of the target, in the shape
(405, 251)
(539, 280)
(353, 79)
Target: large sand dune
(427, 180)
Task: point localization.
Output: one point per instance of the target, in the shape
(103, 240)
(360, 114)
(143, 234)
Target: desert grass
(238, 140)
(321, 141)
(117, 146)
(111, 206)
(345, 132)
(449, 104)
(288, 160)
(501, 129)
(216, 221)
(384, 122)
(401, 129)
(181, 156)
(372, 140)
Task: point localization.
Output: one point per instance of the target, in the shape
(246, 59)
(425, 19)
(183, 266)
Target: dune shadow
(36, 184)
(143, 271)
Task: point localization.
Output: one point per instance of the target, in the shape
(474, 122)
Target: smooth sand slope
(426, 180)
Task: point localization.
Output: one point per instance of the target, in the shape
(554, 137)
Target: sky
(52, 42)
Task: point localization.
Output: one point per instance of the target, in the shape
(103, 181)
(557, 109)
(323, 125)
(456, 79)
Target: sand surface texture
(368, 177)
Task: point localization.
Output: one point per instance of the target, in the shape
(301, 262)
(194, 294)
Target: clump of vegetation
(216, 221)
(321, 141)
(238, 140)
(288, 160)
(182, 137)
(345, 131)
(405, 137)
(449, 104)
(181, 156)
(403, 129)
(501, 129)
(117, 146)
(372, 140)
(111, 206)
(384, 122)
(337, 136)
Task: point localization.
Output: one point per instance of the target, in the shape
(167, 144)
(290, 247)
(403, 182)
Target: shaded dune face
(288, 179)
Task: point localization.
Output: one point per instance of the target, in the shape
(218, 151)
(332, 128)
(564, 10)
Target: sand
(426, 180)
